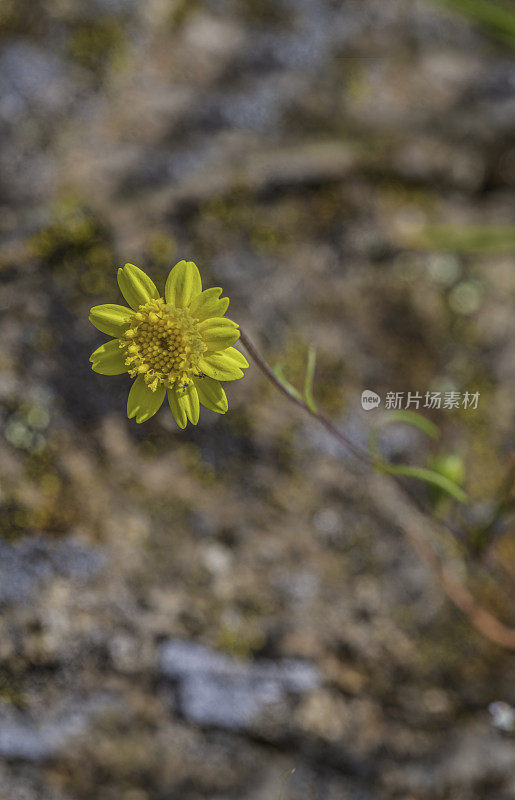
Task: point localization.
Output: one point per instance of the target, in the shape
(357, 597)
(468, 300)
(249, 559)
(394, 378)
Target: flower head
(180, 345)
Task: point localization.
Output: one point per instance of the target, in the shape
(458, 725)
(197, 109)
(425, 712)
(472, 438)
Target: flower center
(163, 344)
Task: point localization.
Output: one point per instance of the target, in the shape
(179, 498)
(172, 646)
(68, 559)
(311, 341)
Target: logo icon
(369, 400)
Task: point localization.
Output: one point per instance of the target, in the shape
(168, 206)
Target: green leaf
(427, 475)
(279, 374)
(412, 418)
(406, 417)
(308, 383)
(451, 465)
(405, 470)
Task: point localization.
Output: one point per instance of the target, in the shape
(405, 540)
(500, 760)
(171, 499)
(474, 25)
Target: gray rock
(26, 565)
(36, 737)
(32, 79)
(26, 740)
(216, 689)
(503, 716)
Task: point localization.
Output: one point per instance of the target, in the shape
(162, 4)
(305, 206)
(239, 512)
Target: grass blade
(414, 419)
(405, 470)
(428, 476)
(308, 383)
(279, 374)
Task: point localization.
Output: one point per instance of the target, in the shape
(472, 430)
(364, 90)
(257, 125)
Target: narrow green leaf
(406, 417)
(308, 383)
(414, 419)
(420, 473)
(279, 374)
(427, 475)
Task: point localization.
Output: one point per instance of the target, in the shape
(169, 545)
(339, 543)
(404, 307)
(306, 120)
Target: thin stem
(414, 525)
(323, 420)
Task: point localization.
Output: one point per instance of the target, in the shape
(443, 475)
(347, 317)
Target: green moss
(182, 10)
(70, 232)
(18, 17)
(241, 642)
(264, 12)
(52, 510)
(97, 44)
(74, 247)
(162, 249)
(14, 518)
(41, 498)
(12, 691)
(190, 456)
(270, 226)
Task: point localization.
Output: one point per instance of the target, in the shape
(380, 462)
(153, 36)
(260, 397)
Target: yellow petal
(211, 394)
(136, 286)
(177, 409)
(142, 402)
(235, 357)
(218, 333)
(183, 284)
(187, 398)
(108, 359)
(214, 365)
(110, 318)
(209, 304)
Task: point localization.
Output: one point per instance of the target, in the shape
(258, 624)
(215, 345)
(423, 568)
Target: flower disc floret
(163, 344)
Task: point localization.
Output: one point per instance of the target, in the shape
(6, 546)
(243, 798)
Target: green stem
(362, 455)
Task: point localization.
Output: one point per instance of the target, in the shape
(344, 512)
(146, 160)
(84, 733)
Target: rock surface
(215, 689)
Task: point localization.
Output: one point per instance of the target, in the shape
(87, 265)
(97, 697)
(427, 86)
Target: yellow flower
(179, 344)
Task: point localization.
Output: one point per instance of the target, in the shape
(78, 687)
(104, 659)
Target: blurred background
(224, 612)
